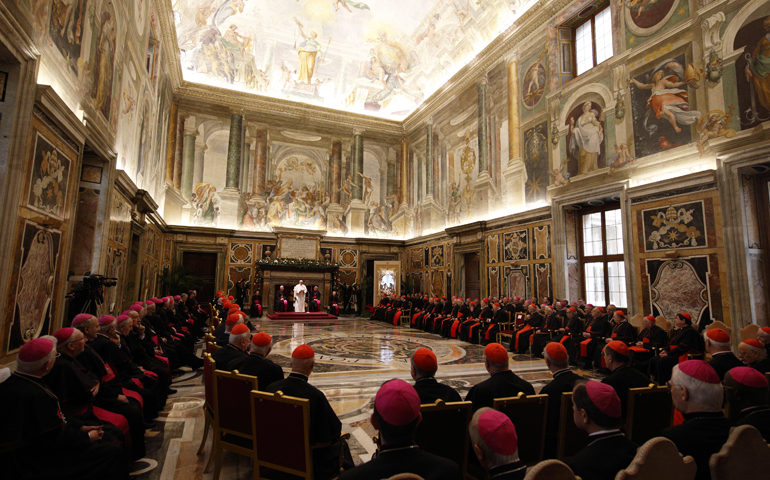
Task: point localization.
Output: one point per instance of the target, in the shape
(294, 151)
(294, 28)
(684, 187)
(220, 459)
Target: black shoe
(171, 391)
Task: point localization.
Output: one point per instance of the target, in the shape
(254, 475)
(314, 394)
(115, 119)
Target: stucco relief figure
(36, 284)
(758, 68)
(586, 136)
(713, 125)
(300, 290)
(453, 209)
(309, 49)
(667, 99)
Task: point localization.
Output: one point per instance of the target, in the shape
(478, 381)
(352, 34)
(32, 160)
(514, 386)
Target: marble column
(429, 161)
(390, 184)
(404, 180)
(230, 204)
(171, 145)
(418, 166)
(260, 162)
(431, 211)
(400, 218)
(515, 172)
(179, 132)
(234, 151)
(200, 158)
(335, 211)
(356, 211)
(188, 157)
(484, 187)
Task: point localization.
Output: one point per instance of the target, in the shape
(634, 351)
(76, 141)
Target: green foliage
(179, 279)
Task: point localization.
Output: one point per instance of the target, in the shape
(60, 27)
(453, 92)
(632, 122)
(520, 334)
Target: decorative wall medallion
(241, 253)
(542, 236)
(679, 226)
(516, 245)
(493, 249)
(348, 258)
(646, 18)
(680, 286)
(437, 256)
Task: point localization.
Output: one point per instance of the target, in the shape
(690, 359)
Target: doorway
(204, 266)
(472, 277)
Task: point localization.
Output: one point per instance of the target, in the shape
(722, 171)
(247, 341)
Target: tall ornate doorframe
(459, 266)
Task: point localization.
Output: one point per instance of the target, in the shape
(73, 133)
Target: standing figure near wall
(586, 139)
(300, 290)
(758, 69)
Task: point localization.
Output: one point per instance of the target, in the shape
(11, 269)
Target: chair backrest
(529, 416)
(287, 419)
(443, 430)
(231, 402)
(650, 410)
(745, 455)
(636, 321)
(571, 439)
(661, 321)
(550, 470)
(749, 331)
(720, 325)
(406, 476)
(520, 319)
(209, 365)
(658, 458)
(212, 347)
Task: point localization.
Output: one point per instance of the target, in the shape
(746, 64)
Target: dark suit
(430, 390)
(404, 459)
(701, 435)
(723, 362)
(624, 378)
(226, 355)
(685, 341)
(762, 366)
(604, 456)
(512, 471)
(325, 427)
(258, 366)
(563, 381)
(499, 385)
(757, 417)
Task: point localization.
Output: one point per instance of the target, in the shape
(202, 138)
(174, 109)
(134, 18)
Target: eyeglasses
(671, 385)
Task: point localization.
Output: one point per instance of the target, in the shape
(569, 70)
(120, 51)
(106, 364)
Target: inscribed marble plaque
(298, 248)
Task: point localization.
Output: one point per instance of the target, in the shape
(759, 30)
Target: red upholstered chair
(289, 418)
(209, 365)
(233, 421)
(529, 415)
(211, 347)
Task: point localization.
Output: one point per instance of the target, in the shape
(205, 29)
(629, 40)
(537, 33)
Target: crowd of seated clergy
(86, 395)
(565, 336)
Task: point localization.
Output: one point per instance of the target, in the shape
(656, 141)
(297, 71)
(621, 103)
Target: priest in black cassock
(281, 303)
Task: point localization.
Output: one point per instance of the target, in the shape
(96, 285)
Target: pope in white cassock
(300, 290)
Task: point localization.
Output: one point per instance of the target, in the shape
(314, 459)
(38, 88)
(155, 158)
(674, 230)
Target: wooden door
(472, 276)
(203, 265)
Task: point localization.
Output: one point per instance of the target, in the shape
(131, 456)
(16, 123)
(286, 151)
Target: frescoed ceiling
(376, 57)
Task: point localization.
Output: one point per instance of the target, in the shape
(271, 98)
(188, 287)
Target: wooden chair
(636, 321)
(291, 417)
(745, 455)
(661, 321)
(650, 410)
(233, 420)
(209, 365)
(550, 470)
(658, 458)
(511, 327)
(212, 347)
(721, 326)
(529, 416)
(443, 430)
(749, 331)
(405, 319)
(571, 438)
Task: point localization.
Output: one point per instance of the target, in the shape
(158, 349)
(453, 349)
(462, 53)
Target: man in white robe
(300, 290)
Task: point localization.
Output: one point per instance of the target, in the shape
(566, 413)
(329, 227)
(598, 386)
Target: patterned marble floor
(353, 358)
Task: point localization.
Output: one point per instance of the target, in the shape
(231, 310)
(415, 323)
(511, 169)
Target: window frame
(604, 258)
(592, 19)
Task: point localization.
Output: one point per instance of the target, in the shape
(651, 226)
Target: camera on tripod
(86, 295)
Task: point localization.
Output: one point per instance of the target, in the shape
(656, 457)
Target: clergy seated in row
(145, 353)
(460, 312)
(428, 304)
(534, 321)
(597, 329)
(753, 353)
(685, 340)
(178, 353)
(496, 445)
(717, 343)
(281, 303)
(493, 324)
(564, 380)
(111, 396)
(622, 376)
(551, 325)
(572, 329)
(596, 410)
(502, 382)
(473, 329)
(446, 315)
(620, 331)
(764, 338)
(746, 391)
(334, 303)
(256, 304)
(257, 364)
(235, 349)
(650, 340)
(397, 307)
(325, 427)
(423, 368)
(697, 393)
(379, 310)
(315, 300)
(222, 337)
(300, 295)
(39, 441)
(396, 416)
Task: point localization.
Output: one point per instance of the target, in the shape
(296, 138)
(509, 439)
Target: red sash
(564, 339)
(164, 360)
(151, 374)
(134, 395)
(525, 329)
(137, 382)
(455, 325)
(638, 349)
(486, 334)
(396, 317)
(109, 375)
(584, 344)
(115, 419)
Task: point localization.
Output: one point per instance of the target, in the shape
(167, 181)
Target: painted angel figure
(559, 176)
(667, 98)
(346, 4)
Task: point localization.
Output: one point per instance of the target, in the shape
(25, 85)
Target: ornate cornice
(165, 12)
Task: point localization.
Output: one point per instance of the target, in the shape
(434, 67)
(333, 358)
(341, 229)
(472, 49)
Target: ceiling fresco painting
(376, 57)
